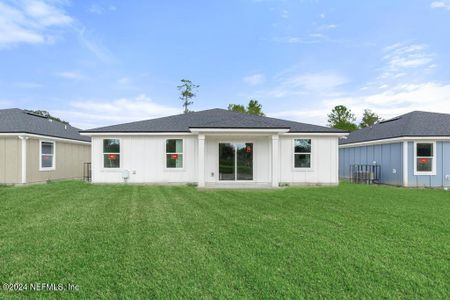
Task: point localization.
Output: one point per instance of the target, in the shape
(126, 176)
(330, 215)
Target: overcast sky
(97, 63)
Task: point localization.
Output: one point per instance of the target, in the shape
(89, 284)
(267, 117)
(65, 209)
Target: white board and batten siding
(324, 161)
(144, 158)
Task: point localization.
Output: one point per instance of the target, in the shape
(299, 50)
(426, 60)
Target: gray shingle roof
(413, 124)
(16, 120)
(213, 118)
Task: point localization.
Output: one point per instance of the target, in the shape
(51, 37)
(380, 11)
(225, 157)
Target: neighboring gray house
(36, 149)
(413, 150)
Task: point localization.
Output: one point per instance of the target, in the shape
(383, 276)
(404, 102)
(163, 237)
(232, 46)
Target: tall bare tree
(188, 92)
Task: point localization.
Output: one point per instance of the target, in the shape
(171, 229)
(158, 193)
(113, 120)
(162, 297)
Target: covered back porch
(238, 158)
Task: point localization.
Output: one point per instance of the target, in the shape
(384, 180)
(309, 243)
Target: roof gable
(213, 118)
(16, 120)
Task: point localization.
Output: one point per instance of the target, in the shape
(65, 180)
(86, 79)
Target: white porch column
(405, 163)
(275, 161)
(201, 160)
(23, 159)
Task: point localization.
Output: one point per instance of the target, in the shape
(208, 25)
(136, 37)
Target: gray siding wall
(388, 156)
(442, 177)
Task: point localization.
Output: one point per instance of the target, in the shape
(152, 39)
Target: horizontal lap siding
(388, 156)
(10, 160)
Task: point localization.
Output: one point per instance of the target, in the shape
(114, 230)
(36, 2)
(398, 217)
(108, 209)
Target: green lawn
(117, 241)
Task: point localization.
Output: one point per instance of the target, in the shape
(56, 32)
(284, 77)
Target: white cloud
(400, 56)
(402, 85)
(399, 99)
(30, 21)
(404, 61)
(94, 45)
(316, 81)
(72, 75)
(391, 102)
(291, 83)
(254, 79)
(440, 4)
(94, 113)
(37, 22)
(285, 14)
(99, 9)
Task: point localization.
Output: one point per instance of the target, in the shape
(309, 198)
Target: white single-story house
(412, 150)
(216, 148)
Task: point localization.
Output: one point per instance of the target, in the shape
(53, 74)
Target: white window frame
(53, 167)
(103, 154)
(433, 165)
(310, 154)
(178, 153)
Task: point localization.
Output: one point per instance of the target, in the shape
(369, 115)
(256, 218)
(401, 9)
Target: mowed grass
(117, 241)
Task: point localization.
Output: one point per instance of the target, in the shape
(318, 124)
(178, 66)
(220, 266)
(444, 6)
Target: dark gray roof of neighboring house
(413, 124)
(213, 118)
(16, 120)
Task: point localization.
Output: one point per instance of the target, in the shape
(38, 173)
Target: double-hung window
(111, 153)
(424, 159)
(47, 156)
(174, 153)
(302, 153)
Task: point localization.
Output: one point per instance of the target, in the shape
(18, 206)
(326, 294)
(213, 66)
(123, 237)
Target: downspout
(23, 159)
(405, 164)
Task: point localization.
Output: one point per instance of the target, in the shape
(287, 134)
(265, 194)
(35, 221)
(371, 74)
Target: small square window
(424, 164)
(424, 149)
(302, 160)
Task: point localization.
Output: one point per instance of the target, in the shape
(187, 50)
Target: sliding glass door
(227, 161)
(235, 161)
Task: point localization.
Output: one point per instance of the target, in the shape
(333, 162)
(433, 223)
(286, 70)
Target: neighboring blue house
(413, 150)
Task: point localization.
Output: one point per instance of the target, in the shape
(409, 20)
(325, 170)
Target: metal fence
(367, 174)
(87, 172)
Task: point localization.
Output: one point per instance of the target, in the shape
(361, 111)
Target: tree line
(340, 116)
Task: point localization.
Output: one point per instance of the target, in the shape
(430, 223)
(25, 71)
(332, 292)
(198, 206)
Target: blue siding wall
(388, 156)
(442, 177)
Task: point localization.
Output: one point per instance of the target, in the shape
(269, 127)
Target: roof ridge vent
(390, 120)
(28, 112)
